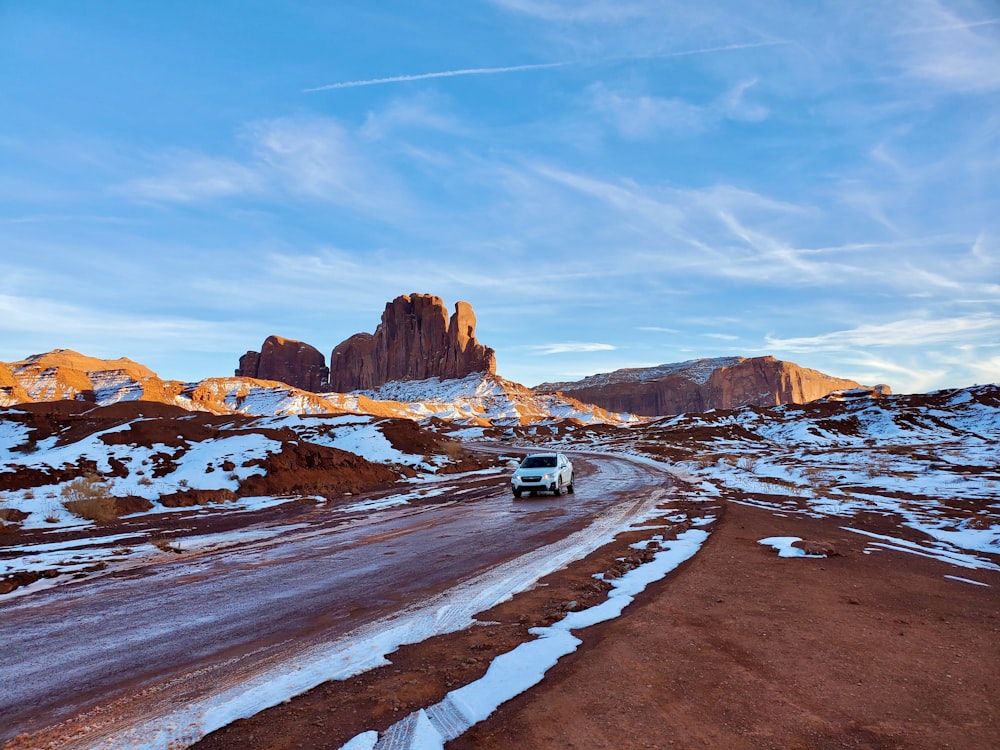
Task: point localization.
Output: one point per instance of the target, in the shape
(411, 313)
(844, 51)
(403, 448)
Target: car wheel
(569, 487)
(559, 487)
(517, 493)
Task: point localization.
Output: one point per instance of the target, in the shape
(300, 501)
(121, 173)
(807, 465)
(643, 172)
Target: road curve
(83, 661)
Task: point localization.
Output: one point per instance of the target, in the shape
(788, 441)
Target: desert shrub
(84, 488)
(12, 515)
(27, 447)
(454, 450)
(87, 497)
(163, 544)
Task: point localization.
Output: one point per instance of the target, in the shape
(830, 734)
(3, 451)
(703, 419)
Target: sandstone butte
(757, 381)
(287, 361)
(416, 340)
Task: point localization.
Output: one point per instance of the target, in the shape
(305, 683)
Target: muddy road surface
(84, 662)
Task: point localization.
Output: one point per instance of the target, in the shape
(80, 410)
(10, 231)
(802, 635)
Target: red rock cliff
(702, 385)
(415, 340)
(293, 362)
(766, 381)
(11, 391)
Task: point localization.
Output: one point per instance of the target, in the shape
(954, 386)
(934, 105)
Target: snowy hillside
(696, 370)
(926, 464)
(485, 398)
(480, 398)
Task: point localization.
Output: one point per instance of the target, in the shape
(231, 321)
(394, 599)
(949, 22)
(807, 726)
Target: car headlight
(548, 476)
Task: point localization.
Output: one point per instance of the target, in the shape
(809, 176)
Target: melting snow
(785, 546)
(512, 673)
(453, 610)
(968, 580)
(939, 551)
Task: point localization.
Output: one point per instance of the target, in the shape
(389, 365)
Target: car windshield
(538, 462)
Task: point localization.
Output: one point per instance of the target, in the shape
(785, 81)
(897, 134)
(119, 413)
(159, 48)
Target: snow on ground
(928, 462)
(482, 396)
(381, 503)
(968, 580)
(696, 370)
(940, 551)
(785, 545)
(12, 435)
(512, 673)
(356, 434)
(933, 469)
(99, 555)
(475, 386)
(368, 646)
(196, 465)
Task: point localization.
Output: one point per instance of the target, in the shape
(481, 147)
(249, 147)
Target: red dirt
(738, 649)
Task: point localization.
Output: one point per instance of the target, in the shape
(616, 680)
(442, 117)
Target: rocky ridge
(420, 362)
(415, 340)
(703, 384)
(293, 362)
(479, 398)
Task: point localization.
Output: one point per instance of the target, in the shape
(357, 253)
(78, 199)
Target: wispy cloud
(585, 11)
(987, 370)
(913, 332)
(942, 48)
(722, 336)
(99, 331)
(191, 177)
(316, 158)
(570, 347)
(657, 329)
(643, 116)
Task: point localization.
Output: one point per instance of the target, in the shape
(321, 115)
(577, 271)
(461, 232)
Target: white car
(543, 472)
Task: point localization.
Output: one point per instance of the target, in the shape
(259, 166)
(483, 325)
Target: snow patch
(967, 580)
(785, 546)
(512, 673)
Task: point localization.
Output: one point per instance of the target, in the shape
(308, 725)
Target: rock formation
(292, 362)
(64, 374)
(701, 385)
(11, 391)
(415, 341)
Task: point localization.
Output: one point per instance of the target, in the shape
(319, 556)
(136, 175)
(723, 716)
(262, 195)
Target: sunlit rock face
(287, 361)
(703, 384)
(416, 340)
(64, 374)
(766, 381)
(11, 391)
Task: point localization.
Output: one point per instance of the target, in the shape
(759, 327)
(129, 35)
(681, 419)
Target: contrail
(533, 66)
(440, 74)
(950, 27)
(707, 50)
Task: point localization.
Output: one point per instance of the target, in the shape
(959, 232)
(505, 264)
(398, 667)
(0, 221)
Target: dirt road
(84, 662)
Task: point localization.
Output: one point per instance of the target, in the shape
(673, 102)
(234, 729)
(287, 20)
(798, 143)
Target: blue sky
(609, 183)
